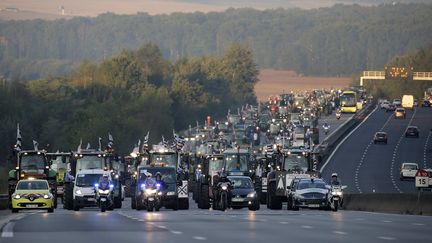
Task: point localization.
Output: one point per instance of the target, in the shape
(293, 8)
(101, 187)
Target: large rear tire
(127, 188)
(68, 196)
(184, 203)
(274, 202)
(204, 201)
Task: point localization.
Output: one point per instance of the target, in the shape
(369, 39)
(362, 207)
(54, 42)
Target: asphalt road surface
(368, 167)
(195, 225)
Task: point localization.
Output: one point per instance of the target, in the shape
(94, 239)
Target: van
(408, 101)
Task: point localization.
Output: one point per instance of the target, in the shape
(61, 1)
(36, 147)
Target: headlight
(78, 192)
(150, 191)
(17, 196)
(103, 191)
(46, 196)
(224, 188)
(251, 194)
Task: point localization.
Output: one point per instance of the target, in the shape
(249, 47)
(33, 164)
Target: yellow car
(32, 194)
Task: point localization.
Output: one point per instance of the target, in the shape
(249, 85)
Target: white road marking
(176, 232)
(141, 220)
(199, 238)
(161, 227)
(386, 238)
(283, 222)
(425, 150)
(307, 227)
(8, 230)
(418, 224)
(340, 232)
(387, 221)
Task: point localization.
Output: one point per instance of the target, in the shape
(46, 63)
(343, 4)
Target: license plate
(31, 206)
(151, 199)
(314, 205)
(170, 193)
(91, 199)
(237, 199)
(103, 199)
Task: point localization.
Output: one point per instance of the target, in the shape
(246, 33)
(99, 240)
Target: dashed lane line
(425, 150)
(386, 238)
(199, 238)
(7, 231)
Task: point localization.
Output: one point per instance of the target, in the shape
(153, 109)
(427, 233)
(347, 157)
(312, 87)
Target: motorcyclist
(104, 181)
(326, 127)
(334, 181)
(222, 178)
(160, 181)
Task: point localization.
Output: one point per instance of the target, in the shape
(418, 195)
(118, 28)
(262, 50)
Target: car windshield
(241, 182)
(348, 100)
(32, 185)
(168, 175)
(60, 163)
(90, 162)
(87, 180)
(168, 159)
(215, 164)
(410, 167)
(412, 129)
(34, 163)
(309, 184)
(236, 163)
(295, 162)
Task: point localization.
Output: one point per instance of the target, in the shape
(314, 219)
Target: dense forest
(340, 40)
(420, 60)
(127, 95)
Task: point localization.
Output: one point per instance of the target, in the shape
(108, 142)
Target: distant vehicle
(348, 102)
(384, 104)
(425, 103)
(380, 137)
(408, 101)
(84, 188)
(400, 113)
(32, 194)
(412, 131)
(416, 103)
(408, 170)
(390, 107)
(397, 102)
(243, 193)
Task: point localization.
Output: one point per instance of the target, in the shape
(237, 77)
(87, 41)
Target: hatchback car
(243, 193)
(408, 170)
(400, 113)
(412, 131)
(380, 137)
(32, 194)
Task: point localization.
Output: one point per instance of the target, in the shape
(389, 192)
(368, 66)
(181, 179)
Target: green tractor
(33, 164)
(61, 165)
(205, 174)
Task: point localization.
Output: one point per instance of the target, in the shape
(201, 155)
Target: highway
(195, 225)
(368, 167)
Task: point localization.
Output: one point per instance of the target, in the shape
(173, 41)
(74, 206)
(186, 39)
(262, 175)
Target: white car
(408, 170)
(397, 102)
(385, 104)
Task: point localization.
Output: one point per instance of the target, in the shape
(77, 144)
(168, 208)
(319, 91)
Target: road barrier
(401, 203)
(4, 198)
(326, 147)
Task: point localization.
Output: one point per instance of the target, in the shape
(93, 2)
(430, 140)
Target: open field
(48, 9)
(273, 82)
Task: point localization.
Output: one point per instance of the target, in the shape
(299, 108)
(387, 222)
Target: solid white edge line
(345, 138)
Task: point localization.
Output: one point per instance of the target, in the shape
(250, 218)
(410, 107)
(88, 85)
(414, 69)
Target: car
(400, 113)
(397, 102)
(84, 188)
(384, 104)
(307, 193)
(425, 103)
(390, 107)
(32, 194)
(412, 131)
(243, 193)
(408, 170)
(380, 137)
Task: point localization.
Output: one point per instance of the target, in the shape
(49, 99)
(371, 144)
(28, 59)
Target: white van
(408, 101)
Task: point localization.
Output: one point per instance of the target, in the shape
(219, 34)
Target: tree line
(127, 95)
(339, 40)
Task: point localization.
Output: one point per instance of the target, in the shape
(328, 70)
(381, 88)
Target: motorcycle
(326, 129)
(335, 196)
(338, 115)
(104, 196)
(222, 200)
(151, 197)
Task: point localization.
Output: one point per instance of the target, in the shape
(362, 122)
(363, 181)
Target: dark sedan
(380, 137)
(243, 193)
(308, 193)
(412, 131)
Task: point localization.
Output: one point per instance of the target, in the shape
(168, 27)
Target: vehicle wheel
(224, 202)
(133, 203)
(117, 202)
(263, 197)
(274, 201)
(51, 210)
(289, 204)
(295, 207)
(402, 178)
(68, 196)
(204, 201)
(335, 207)
(15, 210)
(55, 201)
(184, 203)
(103, 209)
(75, 206)
(175, 205)
(255, 206)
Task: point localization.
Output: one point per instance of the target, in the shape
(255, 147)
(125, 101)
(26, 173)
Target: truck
(295, 162)
(91, 159)
(408, 101)
(32, 164)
